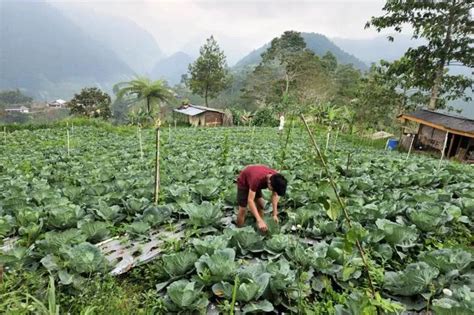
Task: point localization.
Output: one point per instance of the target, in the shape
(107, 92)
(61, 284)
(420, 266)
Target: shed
(443, 132)
(201, 116)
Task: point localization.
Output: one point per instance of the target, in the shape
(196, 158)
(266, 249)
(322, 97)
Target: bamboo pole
(444, 149)
(67, 137)
(169, 133)
(157, 163)
(411, 146)
(341, 204)
(327, 142)
(139, 132)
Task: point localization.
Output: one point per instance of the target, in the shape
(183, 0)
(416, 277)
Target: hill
(131, 43)
(317, 43)
(172, 68)
(373, 49)
(45, 54)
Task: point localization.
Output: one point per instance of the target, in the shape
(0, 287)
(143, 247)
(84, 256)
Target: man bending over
(250, 183)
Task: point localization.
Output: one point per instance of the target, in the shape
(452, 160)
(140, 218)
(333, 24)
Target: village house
(21, 109)
(59, 103)
(201, 116)
(451, 135)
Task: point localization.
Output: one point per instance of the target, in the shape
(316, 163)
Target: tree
(378, 100)
(90, 102)
(13, 97)
(143, 89)
(209, 74)
(447, 28)
(278, 69)
(283, 51)
(329, 62)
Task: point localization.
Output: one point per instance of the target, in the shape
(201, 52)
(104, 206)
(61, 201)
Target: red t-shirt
(254, 177)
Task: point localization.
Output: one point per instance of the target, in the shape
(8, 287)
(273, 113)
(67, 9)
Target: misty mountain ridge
(317, 43)
(133, 44)
(48, 56)
(172, 67)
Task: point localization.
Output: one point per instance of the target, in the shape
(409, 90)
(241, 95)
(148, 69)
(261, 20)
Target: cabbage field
(412, 216)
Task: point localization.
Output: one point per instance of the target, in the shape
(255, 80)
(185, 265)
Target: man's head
(277, 183)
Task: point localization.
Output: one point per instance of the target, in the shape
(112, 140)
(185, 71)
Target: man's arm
(253, 209)
(275, 199)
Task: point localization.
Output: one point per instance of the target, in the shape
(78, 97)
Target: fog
(239, 26)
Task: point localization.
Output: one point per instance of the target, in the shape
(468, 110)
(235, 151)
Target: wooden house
(200, 116)
(442, 132)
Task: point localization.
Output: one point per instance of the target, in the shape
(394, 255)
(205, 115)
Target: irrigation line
(343, 207)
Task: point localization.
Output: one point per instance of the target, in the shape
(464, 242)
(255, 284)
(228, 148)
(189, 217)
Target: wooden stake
(341, 204)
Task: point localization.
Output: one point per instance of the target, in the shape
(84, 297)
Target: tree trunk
(205, 97)
(287, 79)
(148, 106)
(436, 86)
(444, 59)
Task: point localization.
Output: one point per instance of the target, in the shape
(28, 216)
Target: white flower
(447, 292)
(299, 226)
(293, 228)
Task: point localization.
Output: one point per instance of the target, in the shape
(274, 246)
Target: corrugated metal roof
(209, 109)
(193, 110)
(190, 111)
(449, 122)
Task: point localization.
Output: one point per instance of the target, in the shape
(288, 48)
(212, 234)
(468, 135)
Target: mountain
(172, 68)
(134, 45)
(374, 49)
(45, 54)
(317, 43)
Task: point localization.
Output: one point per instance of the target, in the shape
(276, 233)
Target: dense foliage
(413, 218)
(447, 28)
(91, 102)
(208, 75)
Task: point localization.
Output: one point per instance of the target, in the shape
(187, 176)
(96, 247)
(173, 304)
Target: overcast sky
(239, 26)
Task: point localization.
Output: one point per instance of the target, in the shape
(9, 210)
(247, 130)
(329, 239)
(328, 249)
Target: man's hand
(262, 226)
(275, 218)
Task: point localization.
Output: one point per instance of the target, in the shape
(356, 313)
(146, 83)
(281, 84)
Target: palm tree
(143, 88)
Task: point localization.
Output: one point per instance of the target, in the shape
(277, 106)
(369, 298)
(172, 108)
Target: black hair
(278, 184)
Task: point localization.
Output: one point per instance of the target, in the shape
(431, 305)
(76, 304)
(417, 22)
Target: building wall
(205, 119)
(213, 118)
(431, 137)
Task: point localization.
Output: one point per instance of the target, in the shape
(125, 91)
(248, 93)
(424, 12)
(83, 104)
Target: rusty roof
(447, 122)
